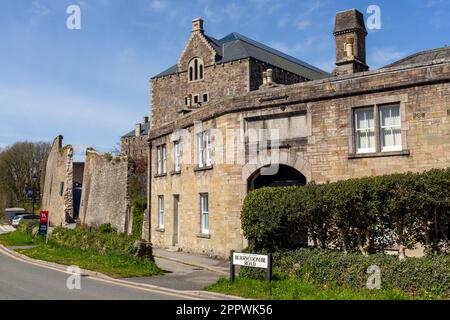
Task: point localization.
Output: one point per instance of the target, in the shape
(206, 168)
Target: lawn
(113, 264)
(294, 289)
(18, 239)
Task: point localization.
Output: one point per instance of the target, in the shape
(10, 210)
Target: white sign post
(261, 261)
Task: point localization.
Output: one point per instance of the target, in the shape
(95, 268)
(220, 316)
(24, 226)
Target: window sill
(204, 236)
(197, 169)
(160, 230)
(379, 154)
(175, 173)
(160, 175)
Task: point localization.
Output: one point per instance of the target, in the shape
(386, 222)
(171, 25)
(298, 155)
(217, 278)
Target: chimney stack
(197, 25)
(350, 34)
(145, 120)
(137, 130)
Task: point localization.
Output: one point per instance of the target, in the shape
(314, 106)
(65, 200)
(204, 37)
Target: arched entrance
(285, 176)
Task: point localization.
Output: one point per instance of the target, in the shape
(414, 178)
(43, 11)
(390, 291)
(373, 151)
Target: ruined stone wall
(57, 198)
(105, 191)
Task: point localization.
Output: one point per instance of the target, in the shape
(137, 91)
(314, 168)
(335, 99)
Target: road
(22, 281)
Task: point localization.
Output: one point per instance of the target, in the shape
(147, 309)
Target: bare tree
(17, 164)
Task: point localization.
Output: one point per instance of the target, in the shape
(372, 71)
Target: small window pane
(365, 130)
(390, 122)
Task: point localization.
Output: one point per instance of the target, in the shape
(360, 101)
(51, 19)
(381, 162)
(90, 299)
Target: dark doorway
(285, 176)
(76, 201)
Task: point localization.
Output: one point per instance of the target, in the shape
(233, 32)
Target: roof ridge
(412, 55)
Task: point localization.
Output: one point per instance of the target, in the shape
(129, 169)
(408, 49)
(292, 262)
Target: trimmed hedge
(428, 277)
(365, 215)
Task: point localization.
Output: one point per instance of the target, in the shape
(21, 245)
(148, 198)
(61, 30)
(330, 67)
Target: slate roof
(144, 131)
(236, 46)
(423, 57)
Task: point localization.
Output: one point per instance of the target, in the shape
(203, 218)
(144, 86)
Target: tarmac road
(22, 281)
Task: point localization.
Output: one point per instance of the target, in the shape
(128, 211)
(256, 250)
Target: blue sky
(92, 85)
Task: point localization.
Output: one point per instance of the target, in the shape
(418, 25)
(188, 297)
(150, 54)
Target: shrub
(138, 207)
(107, 228)
(27, 226)
(104, 239)
(421, 276)
(364, 215)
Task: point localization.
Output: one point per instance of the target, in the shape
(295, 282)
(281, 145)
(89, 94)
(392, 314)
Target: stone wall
(220, 82)
(57, 198)
(279, 76)
(323, 151)
(105, 191)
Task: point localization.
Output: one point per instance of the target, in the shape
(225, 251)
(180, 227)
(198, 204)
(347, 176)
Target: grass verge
(294, 289)
(113, 264)
(17, 238)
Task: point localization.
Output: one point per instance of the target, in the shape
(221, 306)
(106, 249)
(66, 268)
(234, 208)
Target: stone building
(234, 115)
(134, 143)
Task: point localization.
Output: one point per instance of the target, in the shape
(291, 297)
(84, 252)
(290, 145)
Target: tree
(17, 164)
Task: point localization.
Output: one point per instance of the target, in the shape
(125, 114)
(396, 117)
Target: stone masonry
(105, 191)
(316, 134)
(57, 198)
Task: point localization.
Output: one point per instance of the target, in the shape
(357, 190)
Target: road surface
(20, 280)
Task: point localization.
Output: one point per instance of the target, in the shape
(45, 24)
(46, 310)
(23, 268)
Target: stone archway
(283, 177)
(294, 160)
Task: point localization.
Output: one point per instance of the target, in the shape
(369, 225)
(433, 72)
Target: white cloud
(38, 11)
(211, 15)
(311, 44)
(158, 5)
(379, 57)
(303, 24)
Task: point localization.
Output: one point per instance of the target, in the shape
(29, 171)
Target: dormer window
(195, 69)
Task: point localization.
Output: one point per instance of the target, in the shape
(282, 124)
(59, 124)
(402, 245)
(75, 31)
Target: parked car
(10, 213)
(16, 220)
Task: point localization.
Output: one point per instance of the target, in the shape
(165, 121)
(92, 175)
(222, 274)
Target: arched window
(196, 69)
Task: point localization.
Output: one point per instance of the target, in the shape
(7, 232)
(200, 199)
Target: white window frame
(161, 212)
(204, 149)
(366, 130)
(176, 156)
(397, 147)
(204, 213)
(161, 159)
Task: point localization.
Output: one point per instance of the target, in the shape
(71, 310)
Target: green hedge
(365, 215)
(429, 277)
(103, 239)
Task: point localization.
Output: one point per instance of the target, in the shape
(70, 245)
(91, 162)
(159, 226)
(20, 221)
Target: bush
(365, 215)
(429, 277)
(103, 239)
(27, 226)
(138, 207)
(107, 228)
